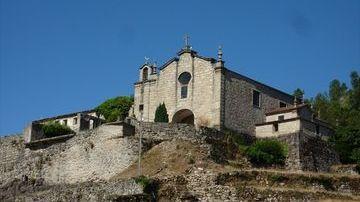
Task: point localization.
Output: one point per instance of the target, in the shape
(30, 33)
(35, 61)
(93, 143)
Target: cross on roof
(187, 40)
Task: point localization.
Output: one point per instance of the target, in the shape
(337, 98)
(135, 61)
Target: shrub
(267, 152)
(52, 129)
(115, 108)
(355, 155)
(237, 139)
(145, 182)
(161, 114)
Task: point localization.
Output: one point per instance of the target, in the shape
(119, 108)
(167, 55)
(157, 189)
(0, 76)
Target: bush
(115, 108)
(355, 155)
(161, 114)
(53, 129)
(267, 152)
(237, 139)
(146, 183)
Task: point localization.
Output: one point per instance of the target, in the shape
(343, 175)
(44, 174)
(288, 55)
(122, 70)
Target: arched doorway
(183, 116)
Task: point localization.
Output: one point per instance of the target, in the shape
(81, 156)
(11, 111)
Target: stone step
(348, 184)
(291, 194)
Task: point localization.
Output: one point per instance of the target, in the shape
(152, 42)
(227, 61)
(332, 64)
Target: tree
(298, 93)
(115, 108)
(340, 106)
(161, 114)
(337, 90)
(354, 97)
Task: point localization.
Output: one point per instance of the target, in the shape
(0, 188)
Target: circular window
(184, 78)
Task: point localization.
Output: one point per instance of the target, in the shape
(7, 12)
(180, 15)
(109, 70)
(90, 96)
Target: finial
(220, 53)
(295, 101)
(147, 60)
(187, 41)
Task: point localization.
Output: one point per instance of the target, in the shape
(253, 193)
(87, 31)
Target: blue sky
(64, 56)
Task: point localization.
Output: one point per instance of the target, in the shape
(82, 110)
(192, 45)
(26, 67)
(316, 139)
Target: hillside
(102, 165)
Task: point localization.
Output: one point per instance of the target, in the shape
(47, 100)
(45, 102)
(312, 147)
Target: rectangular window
(282, 104)
(65, 122)
(276, 127)
(75, 121)
(256, 98)
(184, 91)
(281, 118)
(141, 107)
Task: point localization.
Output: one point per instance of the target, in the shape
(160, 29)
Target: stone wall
(316, 154)
(37, 190)
(239, 113)
(89, 155)
(309, 152)
(203, 95)
(165, 131)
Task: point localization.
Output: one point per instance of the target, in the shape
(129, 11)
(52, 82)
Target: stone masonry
(213, 95)
(90, 155)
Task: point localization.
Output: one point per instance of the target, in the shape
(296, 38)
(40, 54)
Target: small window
(256, 98)
(141, 107)
(282, 105)
(75, 121)
(276, 127)
(184, 91)
(145, 74)
(65, 122)
(281, 118)
(57, 121)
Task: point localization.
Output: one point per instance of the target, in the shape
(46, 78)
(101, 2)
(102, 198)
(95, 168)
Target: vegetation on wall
(161, 114)
(53, 129)
(267, 152)
(115, 108)
(340, 107)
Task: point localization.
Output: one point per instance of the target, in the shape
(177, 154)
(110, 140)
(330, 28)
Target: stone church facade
(202, 91)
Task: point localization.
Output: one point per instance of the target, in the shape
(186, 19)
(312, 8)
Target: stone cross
(187, 39)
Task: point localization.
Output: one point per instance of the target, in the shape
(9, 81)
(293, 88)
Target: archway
(183, 116)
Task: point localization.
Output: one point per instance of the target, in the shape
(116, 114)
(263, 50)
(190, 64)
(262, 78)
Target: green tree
(53, 129)
(115, 108)
(161, 114)
(340, 106)
(299, 93)
(354, 97)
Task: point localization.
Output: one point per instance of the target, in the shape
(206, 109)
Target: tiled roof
(65, 115)
(286, 109)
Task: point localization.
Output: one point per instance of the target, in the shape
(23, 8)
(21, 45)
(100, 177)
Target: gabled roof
(65, 115)
(168, 62)
(286, 109)
(192, 52)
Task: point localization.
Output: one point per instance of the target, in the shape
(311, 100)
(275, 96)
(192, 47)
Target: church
(202, 91)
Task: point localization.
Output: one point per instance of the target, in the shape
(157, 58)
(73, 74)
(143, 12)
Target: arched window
(184, 80)
(145, 74)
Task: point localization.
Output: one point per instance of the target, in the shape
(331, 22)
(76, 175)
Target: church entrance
(183, 116)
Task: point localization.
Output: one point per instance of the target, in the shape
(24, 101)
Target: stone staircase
(268, 185)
